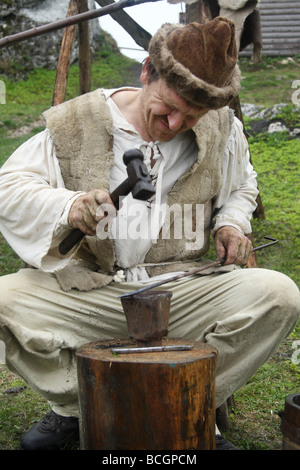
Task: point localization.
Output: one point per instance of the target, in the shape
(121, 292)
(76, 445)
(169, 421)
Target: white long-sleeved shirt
(35, 203)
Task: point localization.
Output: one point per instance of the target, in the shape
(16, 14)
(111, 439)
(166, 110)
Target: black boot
(223, 444)
(52, 432)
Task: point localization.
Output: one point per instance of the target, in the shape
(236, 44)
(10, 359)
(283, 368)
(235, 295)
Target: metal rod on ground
(89, 15)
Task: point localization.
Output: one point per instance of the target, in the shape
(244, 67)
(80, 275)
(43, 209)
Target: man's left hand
(232, 245)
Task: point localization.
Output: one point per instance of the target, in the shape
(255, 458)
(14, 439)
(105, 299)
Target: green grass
(276, 161)
(255, 423)
(270, 81)
(20, 408)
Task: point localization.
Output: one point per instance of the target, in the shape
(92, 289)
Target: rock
(250, 110)
(19, 59)
(295, 132)
(259, 112)
(266, 119)
(48, 11)
(287, 61)
(277, 127)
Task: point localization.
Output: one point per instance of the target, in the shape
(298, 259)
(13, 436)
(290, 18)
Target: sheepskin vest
(82, 131)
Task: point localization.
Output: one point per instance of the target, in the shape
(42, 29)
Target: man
(197, 157)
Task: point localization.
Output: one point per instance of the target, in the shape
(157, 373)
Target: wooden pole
(64, 58)
(88, 15)
(199, 12)
(84, 51)
(138, 34)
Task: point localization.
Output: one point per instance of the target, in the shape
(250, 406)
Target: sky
(148, 15)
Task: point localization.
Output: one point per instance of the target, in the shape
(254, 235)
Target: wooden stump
(290, 425)
(146, 401)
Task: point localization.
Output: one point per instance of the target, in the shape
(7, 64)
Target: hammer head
(138, 175)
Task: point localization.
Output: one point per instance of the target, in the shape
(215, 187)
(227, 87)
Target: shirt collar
(167, 150)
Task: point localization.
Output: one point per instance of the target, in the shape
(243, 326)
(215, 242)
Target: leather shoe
(52, 432)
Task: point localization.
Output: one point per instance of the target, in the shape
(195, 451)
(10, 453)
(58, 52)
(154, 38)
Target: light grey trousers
(244, 314)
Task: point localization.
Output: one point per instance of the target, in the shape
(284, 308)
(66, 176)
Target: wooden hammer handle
(77, 235)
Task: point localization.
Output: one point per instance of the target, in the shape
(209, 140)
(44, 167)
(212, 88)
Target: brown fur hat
(198, 61)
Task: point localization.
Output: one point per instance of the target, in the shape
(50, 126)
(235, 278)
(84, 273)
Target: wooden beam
(88, 15)
(202, 11)
(138, 34)
(63, 64)
(84, 51)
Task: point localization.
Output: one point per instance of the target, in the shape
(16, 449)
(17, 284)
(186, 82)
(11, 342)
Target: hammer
(138, 183)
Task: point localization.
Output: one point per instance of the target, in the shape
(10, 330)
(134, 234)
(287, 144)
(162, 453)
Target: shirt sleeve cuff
(243, 224)
(62, 225)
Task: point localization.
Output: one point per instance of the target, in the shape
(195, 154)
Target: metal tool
(147, 313)
(191, 271)
(174, 278)
(267, 244)
(138, 183)
(150, 349)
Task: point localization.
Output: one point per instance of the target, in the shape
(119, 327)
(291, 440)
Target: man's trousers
(244, 314)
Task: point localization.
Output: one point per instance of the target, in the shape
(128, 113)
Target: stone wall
(20, 15)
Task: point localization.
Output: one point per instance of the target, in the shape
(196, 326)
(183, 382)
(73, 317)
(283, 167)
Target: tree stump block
(290, 424)
(146, 401)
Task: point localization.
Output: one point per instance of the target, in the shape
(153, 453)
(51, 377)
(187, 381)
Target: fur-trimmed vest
(82, 131)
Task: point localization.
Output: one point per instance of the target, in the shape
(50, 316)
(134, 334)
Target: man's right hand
(85, 212)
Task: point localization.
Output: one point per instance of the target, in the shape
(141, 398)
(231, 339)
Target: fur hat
(198, 61)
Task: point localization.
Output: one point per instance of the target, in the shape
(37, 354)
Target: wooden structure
(65, 55)
(146, 401)
(280, 27)
(78, 14)
(290, 424)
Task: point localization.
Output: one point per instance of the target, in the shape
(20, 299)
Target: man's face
(165, 113)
